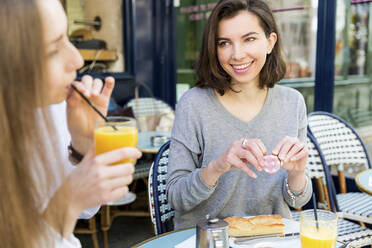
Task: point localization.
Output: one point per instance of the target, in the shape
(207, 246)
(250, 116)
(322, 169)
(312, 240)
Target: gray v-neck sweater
(203, 130)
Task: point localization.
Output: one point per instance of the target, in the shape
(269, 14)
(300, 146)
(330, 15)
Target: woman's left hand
(81, 117)
(292, 153)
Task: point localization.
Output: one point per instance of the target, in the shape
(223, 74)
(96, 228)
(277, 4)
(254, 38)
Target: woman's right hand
(95, 182)
(92, 183)
(237, 156)
(81, 118)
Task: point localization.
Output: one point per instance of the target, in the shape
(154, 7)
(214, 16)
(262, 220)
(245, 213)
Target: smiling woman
(243, 54)
(236, 121)
(255, 27)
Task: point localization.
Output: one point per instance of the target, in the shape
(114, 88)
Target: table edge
(360, 186)
(159, 236)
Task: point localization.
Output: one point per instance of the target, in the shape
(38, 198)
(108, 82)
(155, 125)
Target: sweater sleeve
(299, 201)
(185, 189)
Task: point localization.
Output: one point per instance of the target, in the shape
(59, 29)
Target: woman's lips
(242, 68)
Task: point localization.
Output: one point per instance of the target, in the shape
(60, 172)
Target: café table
(364, 181)
(167, 240)
(150, 142)
(173, 238)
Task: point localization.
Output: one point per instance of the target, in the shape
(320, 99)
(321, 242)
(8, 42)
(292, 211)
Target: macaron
(271, 164)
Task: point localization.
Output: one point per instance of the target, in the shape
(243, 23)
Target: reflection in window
(297, 26)
(352, 95)
(358, 38)
(191, 18)
(340, 58)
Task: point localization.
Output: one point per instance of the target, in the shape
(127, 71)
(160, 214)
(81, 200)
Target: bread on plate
(258, 225)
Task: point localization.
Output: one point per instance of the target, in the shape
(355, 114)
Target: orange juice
(322, 237)
(108, 139)
(325, 237)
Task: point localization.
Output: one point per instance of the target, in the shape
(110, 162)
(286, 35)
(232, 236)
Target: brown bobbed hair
(209, 71)
(27, 144)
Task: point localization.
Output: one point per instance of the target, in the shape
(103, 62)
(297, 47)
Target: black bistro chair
(160, 210)
(341, 146)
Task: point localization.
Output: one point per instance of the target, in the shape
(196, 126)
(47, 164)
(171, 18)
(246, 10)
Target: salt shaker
(212, 233)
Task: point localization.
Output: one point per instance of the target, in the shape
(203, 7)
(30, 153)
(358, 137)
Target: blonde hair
(26, 154)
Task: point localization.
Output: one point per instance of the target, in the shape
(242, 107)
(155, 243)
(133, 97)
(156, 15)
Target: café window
(352, 36)
(191, 18)
(358, 41)
(96, 29)
(297, 23)
(353, 85)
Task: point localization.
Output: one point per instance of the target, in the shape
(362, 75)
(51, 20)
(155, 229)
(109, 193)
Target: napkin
(188, 243)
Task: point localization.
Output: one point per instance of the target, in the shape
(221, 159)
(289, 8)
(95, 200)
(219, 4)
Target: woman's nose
(75, 59)
(238, 52)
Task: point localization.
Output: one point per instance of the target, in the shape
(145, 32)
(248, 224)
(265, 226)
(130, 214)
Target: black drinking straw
(91, 104)
(315, 212)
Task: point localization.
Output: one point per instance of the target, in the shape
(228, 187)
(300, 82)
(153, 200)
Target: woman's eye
(223, 43)
(250, 39)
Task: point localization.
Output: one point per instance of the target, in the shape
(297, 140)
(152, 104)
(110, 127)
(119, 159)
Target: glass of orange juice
(322, 236)
(118, 132)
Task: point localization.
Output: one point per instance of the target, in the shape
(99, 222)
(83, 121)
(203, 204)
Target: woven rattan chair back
(148, 106)
(315, 169)
(340, 144)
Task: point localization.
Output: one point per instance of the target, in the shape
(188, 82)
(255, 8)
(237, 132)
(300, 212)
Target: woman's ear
(271, 42)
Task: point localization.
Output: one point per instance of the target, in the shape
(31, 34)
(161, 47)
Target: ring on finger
(244, 142)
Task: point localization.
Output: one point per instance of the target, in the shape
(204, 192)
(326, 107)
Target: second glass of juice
(118, 132)
(321, 233)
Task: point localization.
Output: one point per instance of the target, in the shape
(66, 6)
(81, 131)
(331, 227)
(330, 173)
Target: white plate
(290, 226)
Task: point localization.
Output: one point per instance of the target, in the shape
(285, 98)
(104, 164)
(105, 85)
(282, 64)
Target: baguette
(259, 225)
